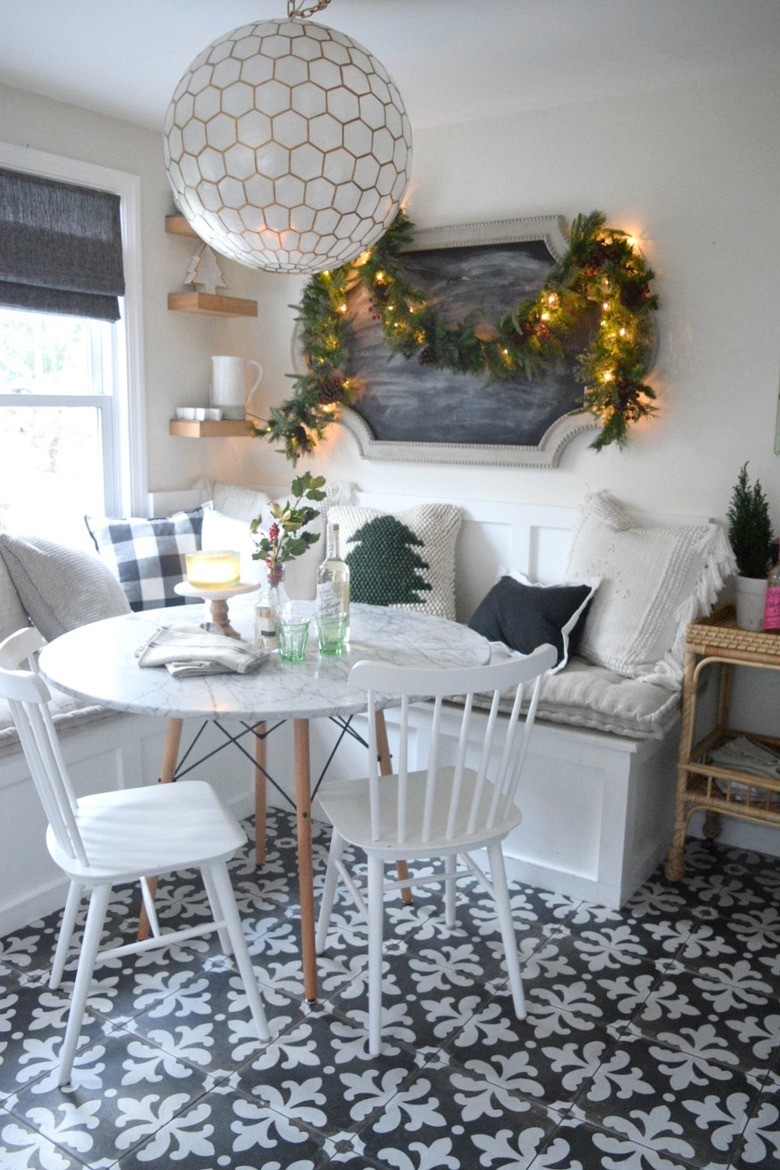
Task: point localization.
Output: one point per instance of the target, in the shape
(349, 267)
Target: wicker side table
(702, 785)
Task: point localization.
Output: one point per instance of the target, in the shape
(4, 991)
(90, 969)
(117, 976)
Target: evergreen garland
(600, 274)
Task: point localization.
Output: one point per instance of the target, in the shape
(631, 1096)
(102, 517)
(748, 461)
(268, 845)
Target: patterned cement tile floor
(652, 1040)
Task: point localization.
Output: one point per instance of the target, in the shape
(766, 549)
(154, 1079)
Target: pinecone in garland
(330, 391)
(301, 439)
(634, 293)
(428, 355)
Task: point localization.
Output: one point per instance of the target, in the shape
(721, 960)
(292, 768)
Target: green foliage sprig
(285, 538)
(750, 527)
(602, 276)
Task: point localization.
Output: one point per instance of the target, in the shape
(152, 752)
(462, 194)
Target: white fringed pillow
(406, 560)
(655, 580)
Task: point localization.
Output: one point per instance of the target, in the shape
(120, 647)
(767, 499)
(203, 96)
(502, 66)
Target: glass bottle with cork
(333, 597)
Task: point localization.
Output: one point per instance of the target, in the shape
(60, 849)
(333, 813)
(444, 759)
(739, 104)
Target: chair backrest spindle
(460, 798)
(28, 698)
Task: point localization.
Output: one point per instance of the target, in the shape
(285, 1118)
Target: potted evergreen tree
(750, 536)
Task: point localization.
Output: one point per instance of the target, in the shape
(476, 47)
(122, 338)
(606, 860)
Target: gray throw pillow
(61, 588)
(12, 614)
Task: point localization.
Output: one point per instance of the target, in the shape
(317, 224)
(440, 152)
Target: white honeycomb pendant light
(288, 146)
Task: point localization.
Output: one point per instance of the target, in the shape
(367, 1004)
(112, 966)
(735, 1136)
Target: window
(71, 419)
(56, 422)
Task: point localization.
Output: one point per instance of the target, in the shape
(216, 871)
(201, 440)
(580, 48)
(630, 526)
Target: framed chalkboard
(415, 413)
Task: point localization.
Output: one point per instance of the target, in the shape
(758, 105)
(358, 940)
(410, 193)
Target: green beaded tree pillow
(406, 560)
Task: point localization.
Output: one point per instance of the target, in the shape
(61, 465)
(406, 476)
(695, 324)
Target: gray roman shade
(60, 247)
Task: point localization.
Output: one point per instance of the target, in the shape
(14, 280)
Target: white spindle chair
(118, 836)
(444, 811)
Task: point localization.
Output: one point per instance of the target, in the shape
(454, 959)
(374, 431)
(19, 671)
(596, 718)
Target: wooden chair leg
(261, 793)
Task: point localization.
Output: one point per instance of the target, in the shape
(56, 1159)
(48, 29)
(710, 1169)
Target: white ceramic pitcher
(229, 384)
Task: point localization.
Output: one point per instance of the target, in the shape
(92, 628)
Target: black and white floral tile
(652, 1040)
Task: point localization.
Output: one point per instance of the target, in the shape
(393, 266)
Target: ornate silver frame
(551, 229)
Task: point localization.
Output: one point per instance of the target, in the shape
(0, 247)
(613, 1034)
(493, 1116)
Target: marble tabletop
(97, 662)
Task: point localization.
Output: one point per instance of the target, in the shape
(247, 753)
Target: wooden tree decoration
(204, 271)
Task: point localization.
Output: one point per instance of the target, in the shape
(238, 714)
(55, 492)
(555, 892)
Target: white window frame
(122, 414)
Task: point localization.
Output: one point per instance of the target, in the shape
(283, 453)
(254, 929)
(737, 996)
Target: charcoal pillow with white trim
(523, 615)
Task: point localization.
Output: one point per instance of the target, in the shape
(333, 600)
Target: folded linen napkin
(187, 650)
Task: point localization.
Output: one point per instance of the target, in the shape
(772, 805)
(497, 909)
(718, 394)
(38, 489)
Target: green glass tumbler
(331, 634)
(292, 638)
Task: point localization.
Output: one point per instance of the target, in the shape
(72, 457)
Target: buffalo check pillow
(148, 556)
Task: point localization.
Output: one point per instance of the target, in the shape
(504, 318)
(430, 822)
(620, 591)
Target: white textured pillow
(655, 580)
(406, 560)
(241, 503)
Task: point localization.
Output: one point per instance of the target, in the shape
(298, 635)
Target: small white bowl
(185, 412)
(200, 413)
(213, 414)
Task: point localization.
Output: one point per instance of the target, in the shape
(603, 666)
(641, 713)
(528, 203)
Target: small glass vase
(279, 600)
(274, 604)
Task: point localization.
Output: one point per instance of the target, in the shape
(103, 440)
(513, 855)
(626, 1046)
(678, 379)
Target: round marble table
(98, 662)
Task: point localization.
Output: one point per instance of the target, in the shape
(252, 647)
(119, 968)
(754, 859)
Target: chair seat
(347, 804)
(129, 832)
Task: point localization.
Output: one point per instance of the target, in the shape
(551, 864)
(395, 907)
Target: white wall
(694, 173)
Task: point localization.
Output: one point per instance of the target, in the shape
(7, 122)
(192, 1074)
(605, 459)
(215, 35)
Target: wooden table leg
(305, 863)
(386, 769)
(167, 774)
(260, 792)
(675, 864)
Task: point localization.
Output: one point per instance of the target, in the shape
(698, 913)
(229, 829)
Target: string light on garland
(602, 272)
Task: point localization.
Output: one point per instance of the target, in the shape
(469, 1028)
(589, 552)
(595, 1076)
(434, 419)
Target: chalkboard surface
(403, 401)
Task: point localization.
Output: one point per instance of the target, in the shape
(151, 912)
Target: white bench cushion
(585, 695)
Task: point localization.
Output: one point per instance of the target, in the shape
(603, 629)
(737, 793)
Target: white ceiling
(453, 60)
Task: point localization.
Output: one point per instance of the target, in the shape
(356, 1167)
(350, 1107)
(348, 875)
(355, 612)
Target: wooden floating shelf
(226, 428)
(177, 225)
(211, 305)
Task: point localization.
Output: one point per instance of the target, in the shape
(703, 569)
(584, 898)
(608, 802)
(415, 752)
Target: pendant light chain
(292, 11)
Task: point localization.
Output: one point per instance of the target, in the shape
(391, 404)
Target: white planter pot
(750, 598)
